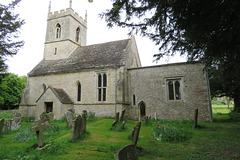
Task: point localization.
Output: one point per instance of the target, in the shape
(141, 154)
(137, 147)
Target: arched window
(134, 100)
(177, 90)
(104, 80)
(99, 80)
(77, 34)
(170, 90)
(79, 92)
(174, 89)
(58, 30)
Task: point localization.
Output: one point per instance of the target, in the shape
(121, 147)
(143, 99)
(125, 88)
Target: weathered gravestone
(1, 125)
(122, 115)
(14, 123)
(38, 127)
(83, 124)
(76, 127)
(84, 112)
(127, 152)
(132, 133)
(116, 119)
(196, 118)
(69, 118)
(46, 118)
(136, 134)
(155, 116)
(123, 124)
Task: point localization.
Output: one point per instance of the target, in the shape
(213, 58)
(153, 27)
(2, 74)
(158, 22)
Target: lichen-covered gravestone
(83, 124)
(46, 118)
(69, 115)
(16, 121)
(76, 127)
(1, 125)
(38, 127)
(127, 152)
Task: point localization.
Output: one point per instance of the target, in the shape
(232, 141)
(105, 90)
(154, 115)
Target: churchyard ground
(212, 140)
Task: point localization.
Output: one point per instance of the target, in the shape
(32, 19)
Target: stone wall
(150, 86)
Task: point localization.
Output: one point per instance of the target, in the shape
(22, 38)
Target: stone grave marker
(117, 117)
(72, 110)
(83, 124)
(76, 127)
(146, 119)
(122, 115)
(69, 118)
(38, 127)
(84, 112)
(155, 116)
(196, 118)
(114, 123)
(136, 134)
(1, 125)
(16, 121)
(127, 152)
(46, 118)
(132, 133)
(123, 124)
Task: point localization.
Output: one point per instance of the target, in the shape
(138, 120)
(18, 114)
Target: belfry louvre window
(174, 89)
(77, 34)
(102, 87)
(58, 30)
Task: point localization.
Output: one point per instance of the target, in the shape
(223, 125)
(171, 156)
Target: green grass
(212, 140)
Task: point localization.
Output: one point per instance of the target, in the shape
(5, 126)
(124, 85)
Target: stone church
(108, 77)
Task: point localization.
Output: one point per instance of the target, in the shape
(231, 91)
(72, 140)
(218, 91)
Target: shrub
(91, 115)
(170, 133)
(234, 116)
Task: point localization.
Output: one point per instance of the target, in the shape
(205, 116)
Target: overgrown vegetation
(212, 140)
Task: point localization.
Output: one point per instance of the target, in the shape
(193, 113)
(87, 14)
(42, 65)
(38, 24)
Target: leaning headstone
(122, 115)
(84, 112)
(123, 124)
(114, 123)
(38, 127)
(69, 118)
(46, 117)
(7, 125)
(76, 127)
(127, 152)
(136, 134)
(16, 121)
(117, 117)
(132, 133)
(83, 124)
(1, 125)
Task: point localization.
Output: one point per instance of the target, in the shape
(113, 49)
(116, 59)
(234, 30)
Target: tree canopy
(11, 90)
(204, 30)
(10, 24)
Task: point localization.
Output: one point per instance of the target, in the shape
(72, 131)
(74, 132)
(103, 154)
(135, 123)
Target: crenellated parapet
(67, 12)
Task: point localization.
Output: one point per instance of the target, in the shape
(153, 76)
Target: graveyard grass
(212, 140)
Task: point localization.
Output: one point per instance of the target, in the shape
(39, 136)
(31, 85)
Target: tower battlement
(67, 12)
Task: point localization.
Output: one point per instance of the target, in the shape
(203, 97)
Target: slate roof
(60, 93)
(86, 57)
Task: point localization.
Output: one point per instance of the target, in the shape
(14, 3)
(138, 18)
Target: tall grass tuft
(172, 131)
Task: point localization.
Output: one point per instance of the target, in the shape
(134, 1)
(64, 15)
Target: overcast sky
(34, 12)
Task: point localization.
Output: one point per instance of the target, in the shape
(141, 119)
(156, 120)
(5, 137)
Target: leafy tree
(11, 89)
(9, 30)
(204, 30)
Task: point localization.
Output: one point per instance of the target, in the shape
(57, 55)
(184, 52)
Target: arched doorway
(142, 108)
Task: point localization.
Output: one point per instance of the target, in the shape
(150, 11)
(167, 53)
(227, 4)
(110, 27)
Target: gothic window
(174, 89)
(77, 34)
(79, 92)
(58, 30)
(134, 100)
(102, 87)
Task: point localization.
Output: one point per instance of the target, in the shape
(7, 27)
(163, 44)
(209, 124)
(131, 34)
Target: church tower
(66, 31)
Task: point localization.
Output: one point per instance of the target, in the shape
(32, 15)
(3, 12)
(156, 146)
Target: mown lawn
(212, 140)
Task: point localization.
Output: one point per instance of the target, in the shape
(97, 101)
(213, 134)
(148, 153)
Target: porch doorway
(49, 107)
(142, 108)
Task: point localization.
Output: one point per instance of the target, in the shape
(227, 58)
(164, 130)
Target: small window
(134, 100)
(79, 92)
(55, 51)
(58, 31)
(170, 90)
(177, 90)
(99, 94)
(99, 80)
(49, 107)
(77, 34)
